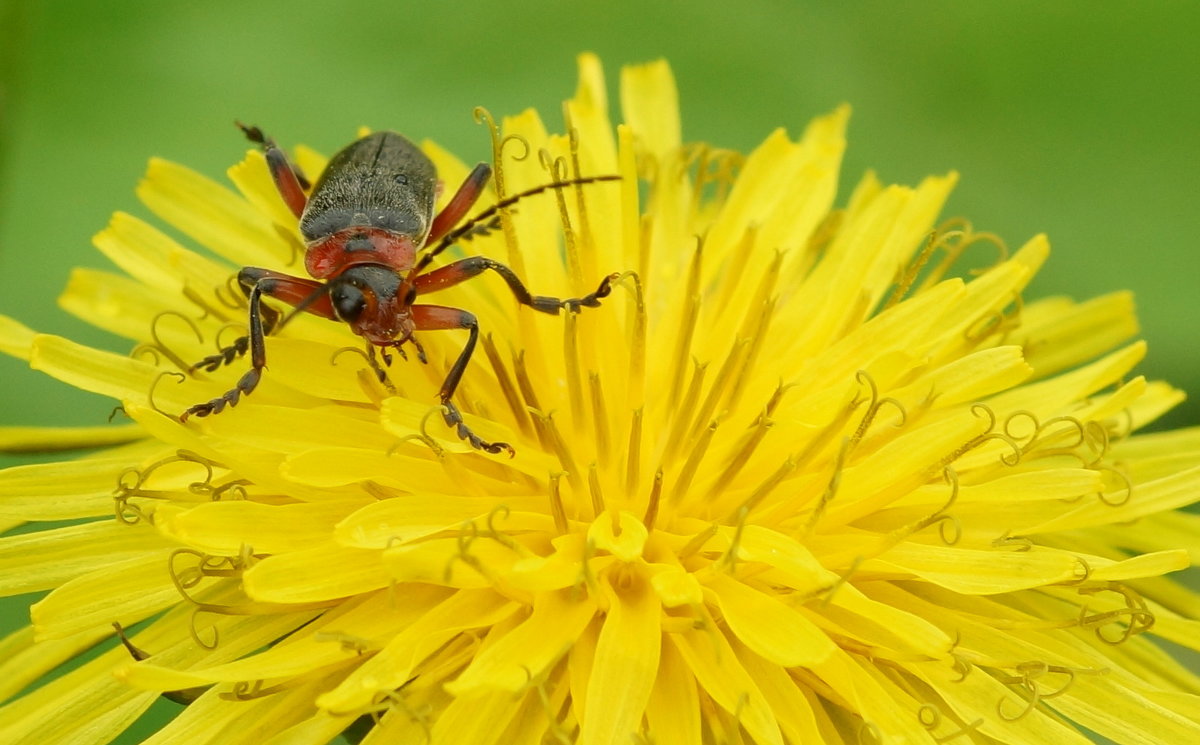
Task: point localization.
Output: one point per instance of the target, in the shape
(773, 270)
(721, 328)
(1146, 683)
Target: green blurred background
(1080, 119)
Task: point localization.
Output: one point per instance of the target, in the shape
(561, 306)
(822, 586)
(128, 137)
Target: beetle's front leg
(373, 357)
(437, 317)
(305, 294)
(246, 279)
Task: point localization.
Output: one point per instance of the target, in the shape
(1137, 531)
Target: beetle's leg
(458, 206)
(292, 290)
(246, 279)
(438, 317)
(488, 216)
(288, 179)
(373, 356)
(305, 294)
(464, 269)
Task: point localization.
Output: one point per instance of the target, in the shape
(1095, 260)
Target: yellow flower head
(793, 481)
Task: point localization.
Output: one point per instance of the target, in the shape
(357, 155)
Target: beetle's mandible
(371, 235)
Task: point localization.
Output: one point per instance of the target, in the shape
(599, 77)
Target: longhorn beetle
(369, 214)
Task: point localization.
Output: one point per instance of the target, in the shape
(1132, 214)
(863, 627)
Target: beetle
(364, 223)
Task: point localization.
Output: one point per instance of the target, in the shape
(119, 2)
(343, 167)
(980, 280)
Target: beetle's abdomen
(381, 181)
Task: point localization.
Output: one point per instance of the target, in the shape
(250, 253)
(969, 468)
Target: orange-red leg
(458, 206)
(464, 269)
(439, 317)
(288, 179)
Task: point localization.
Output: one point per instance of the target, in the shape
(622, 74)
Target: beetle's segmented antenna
(485, 217)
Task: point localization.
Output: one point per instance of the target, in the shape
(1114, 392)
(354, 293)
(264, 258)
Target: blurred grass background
(1079, 119)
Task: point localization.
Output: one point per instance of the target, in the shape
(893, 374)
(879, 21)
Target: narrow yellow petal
(878, 700)
(712, 661)
(127, 592)
(979, 572)
(478, 720)
(303, 577)
(767, 626)
(1170, 492)
(15, 338)
(525, 652)
(105, 373)
(1057, 333)
(45, 439)
(214, 216)
(61, 491)
(402, 519)
(626, 662)
(45, 559)
(225, 527)
(673, 712)
(783, 693)
(153, 258)
(974, 698)
(650, 104)
(392, 666)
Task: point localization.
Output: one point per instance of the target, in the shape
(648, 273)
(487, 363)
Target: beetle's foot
(245, 385)
(592, 300)
(454, 420)
(380, 372)
(224, 356)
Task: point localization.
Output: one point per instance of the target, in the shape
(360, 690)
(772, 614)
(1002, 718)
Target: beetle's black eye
(348, 302)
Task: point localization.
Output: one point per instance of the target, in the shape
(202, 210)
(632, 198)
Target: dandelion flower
(795, 481)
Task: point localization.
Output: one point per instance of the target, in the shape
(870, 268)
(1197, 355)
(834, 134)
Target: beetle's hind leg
(288, 178)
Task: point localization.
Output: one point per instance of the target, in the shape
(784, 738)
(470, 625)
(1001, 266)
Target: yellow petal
(626, 661)
(303, 576)
(650, 104)
(524, 653)
(214, 216)
(44, 439)
(392, 666)
(673, 712)
(61, 491)
(978, 572)
(767, 626)
(225, 527)
(403, 519)
(45, 559)
(15, 338)
(127, 591)
(711, 660)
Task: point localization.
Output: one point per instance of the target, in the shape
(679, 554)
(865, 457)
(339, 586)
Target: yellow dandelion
(794, 481)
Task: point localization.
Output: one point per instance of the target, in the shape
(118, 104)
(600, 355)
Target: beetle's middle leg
(304, 294)
(438, 317)
(464, 269)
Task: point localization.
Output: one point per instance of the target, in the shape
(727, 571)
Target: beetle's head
(374, 300)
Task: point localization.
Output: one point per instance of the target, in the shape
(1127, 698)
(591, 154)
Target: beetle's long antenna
(455, 235)
(301, 306)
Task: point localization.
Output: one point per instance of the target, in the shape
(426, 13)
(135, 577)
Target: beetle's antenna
(462, 230)
(300, 307)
